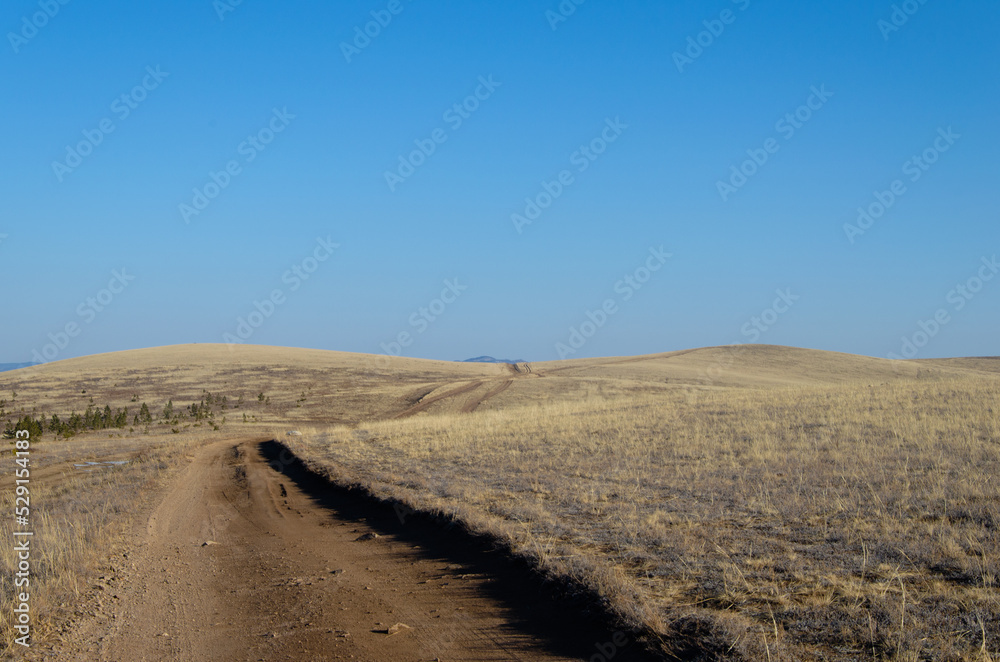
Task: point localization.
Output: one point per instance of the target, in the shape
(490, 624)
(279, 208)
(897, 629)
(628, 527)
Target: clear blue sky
(669, 128)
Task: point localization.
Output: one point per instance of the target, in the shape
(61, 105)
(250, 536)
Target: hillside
(300, 385)
(735, 503)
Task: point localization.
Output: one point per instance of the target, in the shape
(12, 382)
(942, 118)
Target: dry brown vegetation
(757, 502)
(828, 522)
(297, 384)
(81, 518)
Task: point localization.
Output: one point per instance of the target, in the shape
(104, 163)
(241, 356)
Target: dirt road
(246, 560)
(472, 404)
(427, 401)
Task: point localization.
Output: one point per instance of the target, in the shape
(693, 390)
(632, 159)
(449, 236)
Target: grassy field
(756, 502)
(82, 519)
(270, 384)
(832, 522)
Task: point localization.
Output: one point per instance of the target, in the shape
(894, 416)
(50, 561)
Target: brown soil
(249, 556)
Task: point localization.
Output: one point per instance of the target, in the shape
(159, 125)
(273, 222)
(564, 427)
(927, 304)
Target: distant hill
(490, 359)
(380, 386)
(765, 365)
(4, 367)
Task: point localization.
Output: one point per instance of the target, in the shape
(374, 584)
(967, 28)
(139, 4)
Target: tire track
(631, 359)
(249, 556)
(470, 407)
(427, 402)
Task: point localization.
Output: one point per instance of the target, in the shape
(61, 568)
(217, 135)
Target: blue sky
(660, 102)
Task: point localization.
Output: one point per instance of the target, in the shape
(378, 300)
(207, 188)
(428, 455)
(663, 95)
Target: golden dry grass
(299, 384)
(770, 503)
(831, 522)
(81, 520)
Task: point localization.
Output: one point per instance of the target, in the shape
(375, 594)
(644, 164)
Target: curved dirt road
(284, 577)
(426, 402)
(474, 403)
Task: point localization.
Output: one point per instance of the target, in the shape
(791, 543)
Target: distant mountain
(4, 367)
(490, 359)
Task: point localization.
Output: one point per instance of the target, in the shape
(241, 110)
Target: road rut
(244, 560)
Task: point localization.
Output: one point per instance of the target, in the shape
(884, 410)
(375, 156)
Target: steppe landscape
(547, 330)
(748, 502)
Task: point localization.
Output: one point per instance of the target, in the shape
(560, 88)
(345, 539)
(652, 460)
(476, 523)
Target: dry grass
(829, 522)
(81, 522)
(299, 384)
(770, 503)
